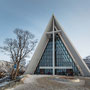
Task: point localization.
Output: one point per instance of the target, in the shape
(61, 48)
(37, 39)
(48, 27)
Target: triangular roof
(43, 42)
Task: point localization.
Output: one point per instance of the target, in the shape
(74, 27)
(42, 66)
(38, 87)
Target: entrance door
(69, 72)
(42, 71)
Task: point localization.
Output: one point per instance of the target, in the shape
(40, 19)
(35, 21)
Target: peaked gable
(80, 64)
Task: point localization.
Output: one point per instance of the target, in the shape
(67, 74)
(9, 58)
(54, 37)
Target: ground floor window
(44, 71)
(67, 72)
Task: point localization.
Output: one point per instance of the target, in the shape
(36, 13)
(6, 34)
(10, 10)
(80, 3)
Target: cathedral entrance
(69, 72)
(42, 71)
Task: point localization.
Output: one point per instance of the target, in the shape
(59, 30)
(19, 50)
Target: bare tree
(19, 48)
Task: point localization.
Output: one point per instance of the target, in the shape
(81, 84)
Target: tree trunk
(12, 73)
(17, 70)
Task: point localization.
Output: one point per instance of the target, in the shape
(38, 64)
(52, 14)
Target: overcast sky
(34, 15)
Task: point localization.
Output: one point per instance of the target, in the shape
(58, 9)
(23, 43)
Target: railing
(9, 84)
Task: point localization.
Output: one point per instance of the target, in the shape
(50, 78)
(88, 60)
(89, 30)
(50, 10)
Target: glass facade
(46, 59)
(62, 59)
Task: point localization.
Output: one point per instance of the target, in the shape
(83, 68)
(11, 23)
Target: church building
(55, 54)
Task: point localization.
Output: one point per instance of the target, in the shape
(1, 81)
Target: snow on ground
(47, 82)
(32, 78)
(10, 89)
(28, 79)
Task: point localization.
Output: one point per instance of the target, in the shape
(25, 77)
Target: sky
(34, 15)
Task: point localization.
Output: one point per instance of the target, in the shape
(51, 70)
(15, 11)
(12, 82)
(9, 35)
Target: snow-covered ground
(32, 78)
(5, 66)
(47, 82)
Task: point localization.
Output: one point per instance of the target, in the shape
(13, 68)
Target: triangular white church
(55, 54)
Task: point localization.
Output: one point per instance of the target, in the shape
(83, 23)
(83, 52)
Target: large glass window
(46, 59)
(62, 59)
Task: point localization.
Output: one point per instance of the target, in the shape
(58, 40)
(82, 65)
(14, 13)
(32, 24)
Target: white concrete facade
(84, 70)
